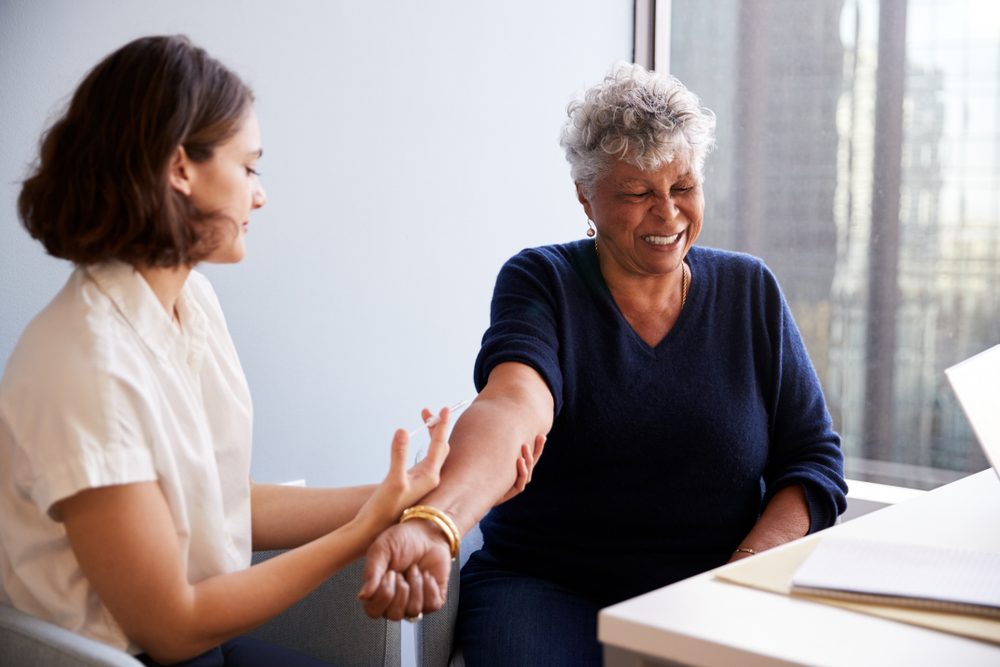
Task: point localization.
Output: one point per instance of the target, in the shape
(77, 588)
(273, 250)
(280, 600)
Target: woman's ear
(582, 196)
(180, 172)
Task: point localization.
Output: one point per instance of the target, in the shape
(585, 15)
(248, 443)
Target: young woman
(127, 512)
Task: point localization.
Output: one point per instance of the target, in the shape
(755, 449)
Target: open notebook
(920, 576)
(976, 382)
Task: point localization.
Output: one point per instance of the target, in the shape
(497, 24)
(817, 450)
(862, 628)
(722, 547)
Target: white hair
(639, 116)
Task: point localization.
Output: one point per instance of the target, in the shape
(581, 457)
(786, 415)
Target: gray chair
(27, 641)
(329, 624)
(435, 633)
(435, 637)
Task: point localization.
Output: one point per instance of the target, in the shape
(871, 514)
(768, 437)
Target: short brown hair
(100, 188)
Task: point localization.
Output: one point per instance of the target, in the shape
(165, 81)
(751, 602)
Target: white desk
(703, 621)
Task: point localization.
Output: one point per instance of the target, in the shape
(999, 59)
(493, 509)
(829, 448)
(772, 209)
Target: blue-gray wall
(410, 148)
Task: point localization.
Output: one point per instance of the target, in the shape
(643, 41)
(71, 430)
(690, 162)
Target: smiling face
(227, 186)
(646, 220)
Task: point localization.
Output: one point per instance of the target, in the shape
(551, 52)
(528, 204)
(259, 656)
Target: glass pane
(874, 196)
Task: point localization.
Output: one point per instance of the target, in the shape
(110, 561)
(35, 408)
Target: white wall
(410, 148)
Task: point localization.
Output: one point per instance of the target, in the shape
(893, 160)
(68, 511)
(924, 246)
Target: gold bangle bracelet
(439, 519)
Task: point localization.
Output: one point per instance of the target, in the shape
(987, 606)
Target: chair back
(436, 632)
(330, 624)
(26, 641)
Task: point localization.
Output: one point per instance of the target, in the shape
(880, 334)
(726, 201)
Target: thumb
(539, 445)
(375, 567)
(400, 445)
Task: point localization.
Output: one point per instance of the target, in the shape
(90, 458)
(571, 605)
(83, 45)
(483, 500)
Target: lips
(658, 240)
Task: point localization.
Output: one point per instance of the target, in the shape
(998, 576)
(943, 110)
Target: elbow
(520, 390)
(166, 656)
(166, 647)
(165, 651)
(168, 633)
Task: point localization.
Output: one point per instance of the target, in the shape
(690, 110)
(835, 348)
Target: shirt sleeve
(74, 422)
(524, 321)
(805, 449)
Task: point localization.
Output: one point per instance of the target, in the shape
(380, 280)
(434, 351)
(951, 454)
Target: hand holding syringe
(525, 463)
(433, 420)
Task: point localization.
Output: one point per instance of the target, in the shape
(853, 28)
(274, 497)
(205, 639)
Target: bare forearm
(111, 528)
(245, 599)
(514, 407)
(785, 518)
(226, 606)
(174, 618)
(480, 468)
(230, 604)
(287, 516)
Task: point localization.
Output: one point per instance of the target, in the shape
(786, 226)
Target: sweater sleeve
(804, 447)
(523, 322)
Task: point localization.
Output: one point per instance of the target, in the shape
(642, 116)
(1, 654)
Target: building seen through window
(859, 156)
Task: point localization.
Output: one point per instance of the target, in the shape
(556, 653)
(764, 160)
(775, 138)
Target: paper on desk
(772, 571)
(976, 382)
(928, 577)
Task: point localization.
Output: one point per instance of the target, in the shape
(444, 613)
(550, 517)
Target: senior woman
(686, 425)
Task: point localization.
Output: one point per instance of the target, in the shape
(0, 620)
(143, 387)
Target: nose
(259, 196)
(665, 207)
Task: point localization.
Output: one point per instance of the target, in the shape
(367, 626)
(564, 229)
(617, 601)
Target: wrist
(428, 534)
(357, 535)
(462, 507)
(368, 524)
(440, 521)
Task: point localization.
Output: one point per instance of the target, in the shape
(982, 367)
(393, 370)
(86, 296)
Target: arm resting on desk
(784, 519)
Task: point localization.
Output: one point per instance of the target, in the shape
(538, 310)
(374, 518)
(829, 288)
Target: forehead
(678, 168)
(247, 136)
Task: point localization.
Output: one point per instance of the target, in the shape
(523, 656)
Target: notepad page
(976, 382)
(915, 571)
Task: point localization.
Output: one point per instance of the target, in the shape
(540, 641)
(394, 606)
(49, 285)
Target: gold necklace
(685, 277)
(684, 284)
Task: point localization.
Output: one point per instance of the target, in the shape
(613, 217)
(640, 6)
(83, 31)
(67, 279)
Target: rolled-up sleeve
(523, 322)
(805, 449)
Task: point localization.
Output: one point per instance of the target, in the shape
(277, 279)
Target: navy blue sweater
(660, 459)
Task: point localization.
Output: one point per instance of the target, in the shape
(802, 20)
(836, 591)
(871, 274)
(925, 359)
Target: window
(859, 156)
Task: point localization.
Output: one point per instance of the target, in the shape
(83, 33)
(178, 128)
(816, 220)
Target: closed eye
(252, 172)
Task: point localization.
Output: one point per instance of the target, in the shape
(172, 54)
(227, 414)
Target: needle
(433, 420)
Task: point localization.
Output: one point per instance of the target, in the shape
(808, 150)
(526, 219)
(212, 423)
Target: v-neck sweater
(660, 458)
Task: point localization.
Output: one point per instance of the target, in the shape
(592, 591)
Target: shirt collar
(134, 299)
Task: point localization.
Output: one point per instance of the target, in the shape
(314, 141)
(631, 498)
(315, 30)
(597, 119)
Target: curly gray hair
(638, 116)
